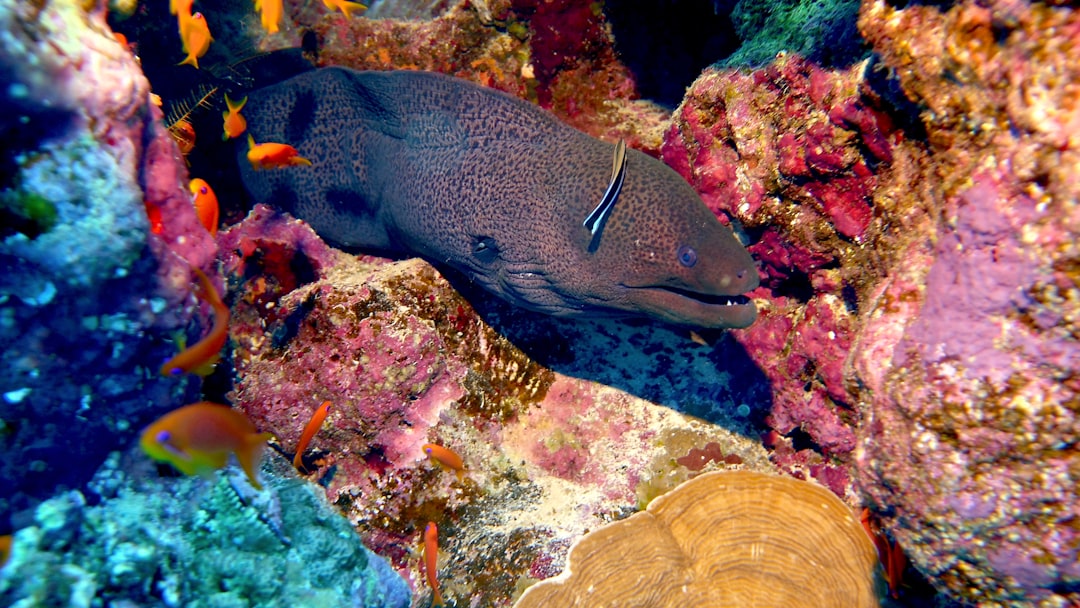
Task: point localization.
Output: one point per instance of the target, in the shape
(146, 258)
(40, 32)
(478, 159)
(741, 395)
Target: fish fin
(250, 456)
(207, 368)
(594, 223)
(299, 160)
(235, 106)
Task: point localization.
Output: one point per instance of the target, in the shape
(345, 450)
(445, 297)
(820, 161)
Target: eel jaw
(691, 308)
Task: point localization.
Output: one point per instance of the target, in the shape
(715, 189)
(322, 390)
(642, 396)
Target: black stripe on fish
(596, 220)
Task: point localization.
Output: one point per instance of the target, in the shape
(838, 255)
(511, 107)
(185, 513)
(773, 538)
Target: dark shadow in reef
(713, 379)
(668, 44)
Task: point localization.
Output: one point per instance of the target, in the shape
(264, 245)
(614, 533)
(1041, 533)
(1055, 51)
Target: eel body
(498, 189)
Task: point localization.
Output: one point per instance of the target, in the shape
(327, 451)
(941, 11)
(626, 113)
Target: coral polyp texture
(405, 361)
(966, 368)
(132, 539)
(88, 296)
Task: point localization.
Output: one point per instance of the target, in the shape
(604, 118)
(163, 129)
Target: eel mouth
(693, 308)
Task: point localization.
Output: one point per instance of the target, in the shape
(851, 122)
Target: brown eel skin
(497, 189)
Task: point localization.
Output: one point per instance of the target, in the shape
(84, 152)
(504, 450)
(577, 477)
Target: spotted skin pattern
(496, 188)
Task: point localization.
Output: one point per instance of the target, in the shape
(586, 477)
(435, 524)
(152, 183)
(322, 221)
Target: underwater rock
(790, 154)
(195, 542)
(88, 296)
(966, 369)
(405, 360)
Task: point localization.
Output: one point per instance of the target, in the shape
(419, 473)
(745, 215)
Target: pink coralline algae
(406, 361)
(791, 153)
(966, 367)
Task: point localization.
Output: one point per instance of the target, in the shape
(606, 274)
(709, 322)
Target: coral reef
(405, 360)
(772, 541)
(966, 369)
(789, 154)
(88, 296)
(188, 541)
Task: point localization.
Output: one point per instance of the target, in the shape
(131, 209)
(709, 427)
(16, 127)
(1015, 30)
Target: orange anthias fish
(344, 6)
(446, 458)
(235, 124)
(196, 37)
(431, 561)
(890, 553)
(272, 155)
(201, 357)
(270, 12)
(312, 427)
(182, 10)
(5, 549)
(206, 204)
(198, 438)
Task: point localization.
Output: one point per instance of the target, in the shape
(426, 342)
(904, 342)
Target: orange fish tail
(250, 456)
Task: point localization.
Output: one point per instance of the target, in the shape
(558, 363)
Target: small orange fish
(184, 135)
(182, 10)
(206, 204)
(5, 549)
(235, 124)
(153, 213)
(431, 561)
(344, 6)
(198, 438)
(201, 357)
(312, 427)
(272, 155)
(196, 37)
(446, 458)
(270, 12)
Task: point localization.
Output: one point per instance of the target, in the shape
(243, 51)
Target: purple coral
(966, 365)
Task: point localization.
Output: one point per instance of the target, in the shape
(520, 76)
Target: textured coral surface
(89, 298)
(967, 365)
(790, 155)
(405, 360)
(134, 539)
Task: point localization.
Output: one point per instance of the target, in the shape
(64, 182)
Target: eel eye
(485, 249)
(687, 256)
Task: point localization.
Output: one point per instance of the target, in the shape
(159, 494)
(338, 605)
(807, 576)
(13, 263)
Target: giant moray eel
(498, 189)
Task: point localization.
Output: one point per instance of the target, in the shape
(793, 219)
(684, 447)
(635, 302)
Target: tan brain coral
(723, 539)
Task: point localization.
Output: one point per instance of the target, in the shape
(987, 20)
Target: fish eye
(163, 437)
(202, 190)
(176, 371)
(485, 249)
(687, 256)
